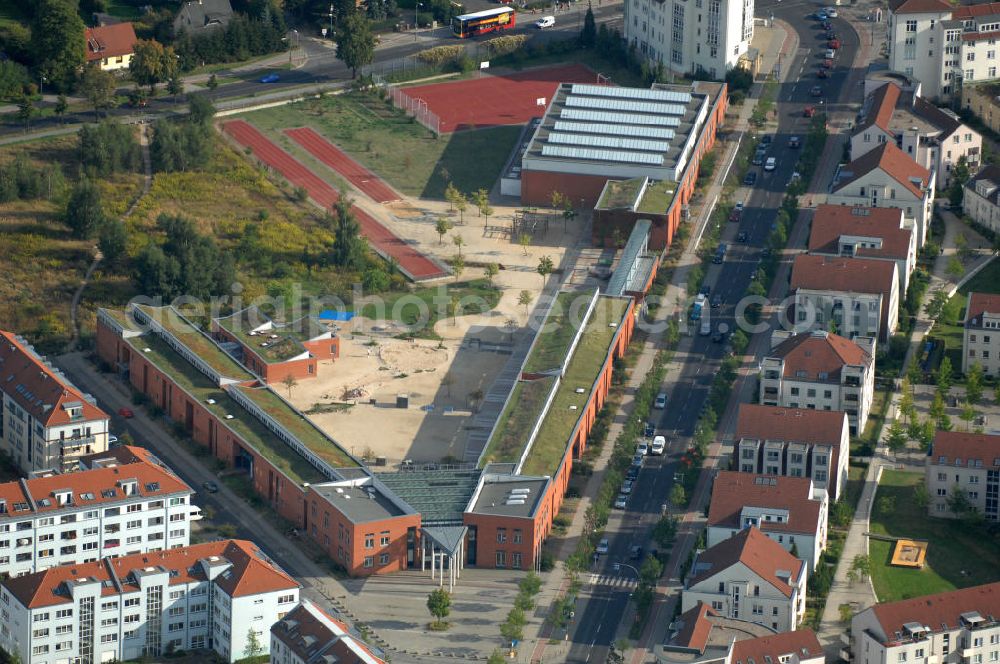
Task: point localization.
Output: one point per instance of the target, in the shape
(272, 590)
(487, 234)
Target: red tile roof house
(308, 635)
(861, 297)
(110, 47)
(161, 602)
(967, 462)
(956, 626)
(794, 442)
(789, 510)
(750, 577)
(59, 423)
(867, 233)
(981, 336)
(820, 370)
(888, 177)
(702, 636)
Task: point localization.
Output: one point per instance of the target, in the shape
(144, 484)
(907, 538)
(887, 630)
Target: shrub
(440, 55)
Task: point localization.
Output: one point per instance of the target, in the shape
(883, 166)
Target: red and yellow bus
(489, 20)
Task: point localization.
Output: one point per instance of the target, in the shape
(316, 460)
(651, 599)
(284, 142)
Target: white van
(706, 327)
(545, 22)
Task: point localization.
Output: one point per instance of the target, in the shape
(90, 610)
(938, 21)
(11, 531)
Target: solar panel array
(631, 93)
(618, 118)
(606, 104)
(622, 130)
(646, 158)
(616, 142)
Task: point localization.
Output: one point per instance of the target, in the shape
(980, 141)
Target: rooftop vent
(580, 390)
(210, 401)
(147, 350)
(228, 416)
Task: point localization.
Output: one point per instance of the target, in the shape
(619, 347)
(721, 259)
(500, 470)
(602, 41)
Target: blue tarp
(333, 314)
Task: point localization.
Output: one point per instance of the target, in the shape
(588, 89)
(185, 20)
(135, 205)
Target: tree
(441, 226)
(958, 501)
(461, 204)
(254, 650)
(480, 197)
(967, 414)
(954, 268)
(175, 87)
(524, 298)
(439, 604)
(545, 268)
(974, 383)
(355, 42)
(959, 176)
(861, 568)
(200, 109)
(62, 105)
(569, 214)
(794, 550)
(84, 211)
(496, 657)
(212, 84)
(556, 198)
(458, 240)
(525, 241)
(921, 497)
(650, 571)
(512, 631)
(152, 63)
(490, 272)
(936, 410)
(25, 110)
(588, 35)
(112, 241)
(678, 496)
(935, 306)
(665, 531)
(925, 435)
(348, 245)
(457, 265)
(906, 406)
(289, 382)
(57, 41)
(896, 437)
(944, 376)
(451, 193)
(99, 88)
(487, 211)
(996, 394)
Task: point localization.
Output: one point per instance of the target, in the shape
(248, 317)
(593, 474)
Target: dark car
(765, 252)
(809, 111)
(827, 25)
(830, 34)
(794, 142)
(816, 91)
(718, 337)
(706, 290)
(648, 430)
(716, 301)
(743, 237)
(750, 179)
(827, 63)
(833, 43)
(766, 139)
(632, 473)
(823, 73)
(635, 552)
(211, 487)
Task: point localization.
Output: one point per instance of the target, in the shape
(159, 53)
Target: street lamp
(331, 21)
(416, 18)
(617, 567)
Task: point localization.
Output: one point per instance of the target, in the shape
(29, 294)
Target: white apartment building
(687, 36)
(942, 45)
(981, 336)
(957, 627)
(789, 510)
(888, 177)
(933, 137)
(113, 508)
(966, 462)
(859, 297)
(205, 596)
(820, 371)
(794, 442)
(308, 635)
(46, 423)
(982, 198)
(749, 577)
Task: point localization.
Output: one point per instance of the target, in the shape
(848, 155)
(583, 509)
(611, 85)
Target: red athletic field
(366, 181)
(413, 263)
(497, 100)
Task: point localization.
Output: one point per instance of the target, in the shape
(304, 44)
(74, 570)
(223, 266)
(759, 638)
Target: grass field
(393, 145)
(948, 327)
(474, 297)
(958, 556)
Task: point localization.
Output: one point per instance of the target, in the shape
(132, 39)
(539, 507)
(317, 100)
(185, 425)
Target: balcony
(72, 444)
(112, 543)
(112, 529)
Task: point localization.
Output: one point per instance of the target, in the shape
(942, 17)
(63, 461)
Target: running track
(489, 101)
(413, 263)
(366, 181)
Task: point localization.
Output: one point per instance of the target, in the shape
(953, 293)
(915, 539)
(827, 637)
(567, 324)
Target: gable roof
(990, 173)
(955, 447)
(820, 427)
(802, 643)
(109, 41)
(696, 628)
(38, 388)
(250, 573)
(312, 635)
(893, 162)
(945, 122)
(977, 9)
(979, 304)
(813, 354)
(843, 275)
(830, 222)
(878, 108)
(758, 552)
(732, 492)
(933, 611)
(918, 6)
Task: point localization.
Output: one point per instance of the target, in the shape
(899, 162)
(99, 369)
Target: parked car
(823, 73)
(637, 460)
(766, 139)
(830, 54)
(831, 12)
(602, 546)
(743, 237)
(758, 157)
(716, 301)
(648, 429)
(826, 25)
(642, 448)
(816, 91)
(658, 446)
(750, 179)
(706, 290)
(809, 111)
(126, 413)
(771, 164)
(821, 15)
(661, 401)
(635, 553)
(270, 78)
(626, 487)
(211, 487)
(112, 441)
(794, 142)
(736, 213)
(632, 473)
(827, 63)
(833, 43)
(621, 501)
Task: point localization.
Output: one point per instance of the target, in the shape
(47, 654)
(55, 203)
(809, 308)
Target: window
(369, 540)
(774, 611)
(383, 539)
(64, 613)
(515, 560)
(131, 601)
(501, 559)
(901, 657)
(911, 26)
(369, 561)
(109, 638)
(383, 559)
(109, 606)
(175, 627)
(501, 535)
(517, 536)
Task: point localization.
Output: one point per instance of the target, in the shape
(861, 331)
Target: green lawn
(425, 306)
(557, 334)
(517, 420)
(948, 327)
(958, 556)
(393, 145)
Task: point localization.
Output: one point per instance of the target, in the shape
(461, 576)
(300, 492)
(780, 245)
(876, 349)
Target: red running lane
(497, 100)
(328, 153)
(412, 262)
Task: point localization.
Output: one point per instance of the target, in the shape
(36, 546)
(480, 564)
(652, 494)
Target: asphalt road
(601, 607)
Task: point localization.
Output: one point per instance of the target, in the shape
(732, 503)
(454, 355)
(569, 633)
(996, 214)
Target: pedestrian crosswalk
(613, 580)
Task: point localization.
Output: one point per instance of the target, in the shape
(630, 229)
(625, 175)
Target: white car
(642, 448)
(658, 446)
(626, 487)
(602, 546)
(545, 22)
(770, 164)
(830, 12)
(830, 54)
(661, 401)
(621, 501)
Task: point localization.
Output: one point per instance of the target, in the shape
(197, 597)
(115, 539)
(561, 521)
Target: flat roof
(549, 447)
(552, 341)
(657, 197)
(243, 423)
(359, 504)
(278, 342)
(517, 420)
(122, 318)
(496, 494)
(439, 495)
(620, 194)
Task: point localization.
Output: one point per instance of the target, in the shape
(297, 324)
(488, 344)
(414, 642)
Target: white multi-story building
(308, 635)
(820, 371)
(794, 442)
(965, 462)
(205, 596)
(942, 45)
(888, 177)
(933, 137)
(982, 198)
(46, 422)
(981, 335)
(789, 510)
(957, 627)
(749, 577)
(689, 37)
(124, 503)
